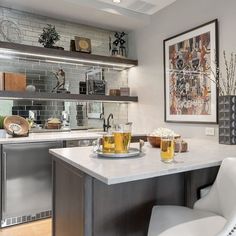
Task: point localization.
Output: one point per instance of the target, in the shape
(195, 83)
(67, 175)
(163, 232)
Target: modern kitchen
(117, 118)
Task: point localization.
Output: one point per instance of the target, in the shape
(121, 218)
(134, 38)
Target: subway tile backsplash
(40, 73)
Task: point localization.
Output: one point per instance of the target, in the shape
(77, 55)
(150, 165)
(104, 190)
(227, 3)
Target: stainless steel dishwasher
(26, 182)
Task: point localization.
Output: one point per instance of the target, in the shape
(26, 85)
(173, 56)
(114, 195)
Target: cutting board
(14, 82)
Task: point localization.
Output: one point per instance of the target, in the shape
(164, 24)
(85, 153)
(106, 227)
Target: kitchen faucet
(107, 125)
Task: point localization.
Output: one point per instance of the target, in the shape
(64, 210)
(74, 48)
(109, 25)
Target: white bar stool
(212, 215)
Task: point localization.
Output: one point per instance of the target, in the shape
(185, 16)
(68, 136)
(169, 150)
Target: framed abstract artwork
(190, 61)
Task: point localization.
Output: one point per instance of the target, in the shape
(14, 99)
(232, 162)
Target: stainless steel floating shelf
(57, 55)
(10, 95)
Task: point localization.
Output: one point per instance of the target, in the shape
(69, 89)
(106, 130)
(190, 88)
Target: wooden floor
(38, 228)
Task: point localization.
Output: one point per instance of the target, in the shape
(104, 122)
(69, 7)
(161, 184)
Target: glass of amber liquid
(108, 143)
(167, 149)
(122, 137)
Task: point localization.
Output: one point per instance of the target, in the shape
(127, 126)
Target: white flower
(160, 132)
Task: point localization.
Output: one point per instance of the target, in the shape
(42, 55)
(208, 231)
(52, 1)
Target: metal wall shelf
(9, 95)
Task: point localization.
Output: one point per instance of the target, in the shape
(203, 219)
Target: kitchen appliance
(26, 182)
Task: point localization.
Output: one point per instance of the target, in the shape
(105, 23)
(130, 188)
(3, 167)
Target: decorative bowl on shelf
(53, 126)
(16, 126)
(155, 141)
(53, 123)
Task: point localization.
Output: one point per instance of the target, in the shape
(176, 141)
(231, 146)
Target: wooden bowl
(16, 126)
(155, 141)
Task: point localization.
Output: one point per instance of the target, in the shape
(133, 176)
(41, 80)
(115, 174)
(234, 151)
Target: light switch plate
(210, 131)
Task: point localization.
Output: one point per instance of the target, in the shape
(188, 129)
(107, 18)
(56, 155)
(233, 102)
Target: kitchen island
(105, 197)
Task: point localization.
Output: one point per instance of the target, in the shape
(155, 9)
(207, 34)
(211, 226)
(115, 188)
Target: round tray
(16, 126)
(132, 153)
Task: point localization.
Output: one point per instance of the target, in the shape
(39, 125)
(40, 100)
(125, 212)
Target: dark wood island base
(85, 206)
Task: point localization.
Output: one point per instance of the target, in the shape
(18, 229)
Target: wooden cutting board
(14, 82)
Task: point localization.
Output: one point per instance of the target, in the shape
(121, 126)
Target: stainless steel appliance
(80, 143)
(26, 182)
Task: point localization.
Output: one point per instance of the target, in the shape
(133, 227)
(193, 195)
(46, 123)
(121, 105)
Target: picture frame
(190, 61)
(83, 44)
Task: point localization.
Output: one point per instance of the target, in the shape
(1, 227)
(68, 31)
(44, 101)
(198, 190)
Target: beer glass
(105, 144)
(167, 149)
(108, 143)
(122, 137)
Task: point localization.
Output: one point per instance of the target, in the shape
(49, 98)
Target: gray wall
(146, 44)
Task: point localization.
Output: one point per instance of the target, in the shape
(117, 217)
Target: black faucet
(107, 125)
(108, 120)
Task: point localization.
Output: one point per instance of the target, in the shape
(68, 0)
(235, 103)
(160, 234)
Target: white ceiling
(128, 15)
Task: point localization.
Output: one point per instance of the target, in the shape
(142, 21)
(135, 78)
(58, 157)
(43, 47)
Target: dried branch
(225, 84)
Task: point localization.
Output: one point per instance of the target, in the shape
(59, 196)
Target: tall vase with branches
(225, 79)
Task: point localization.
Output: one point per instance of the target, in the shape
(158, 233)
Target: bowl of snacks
(154, 138)
(53, 123)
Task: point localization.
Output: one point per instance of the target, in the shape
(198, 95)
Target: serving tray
(131, 153)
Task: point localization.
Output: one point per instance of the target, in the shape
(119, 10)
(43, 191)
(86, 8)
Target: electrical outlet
(210, 131)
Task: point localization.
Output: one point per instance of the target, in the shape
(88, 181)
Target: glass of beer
(122, 137)
(108, 143)
(167, 149)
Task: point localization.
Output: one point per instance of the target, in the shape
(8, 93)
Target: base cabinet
(84, 206)
(68, 201)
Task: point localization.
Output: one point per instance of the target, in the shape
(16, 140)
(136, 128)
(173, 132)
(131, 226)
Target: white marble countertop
(55, 136)
(201, 154)
(52, 136)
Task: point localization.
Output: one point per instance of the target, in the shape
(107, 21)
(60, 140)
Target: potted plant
(225, 79)
(49, 37)
(2, 130)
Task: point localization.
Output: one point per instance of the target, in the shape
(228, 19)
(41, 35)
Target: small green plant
(49, 36)
(1, 122)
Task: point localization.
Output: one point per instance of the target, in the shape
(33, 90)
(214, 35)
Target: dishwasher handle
(4, 181)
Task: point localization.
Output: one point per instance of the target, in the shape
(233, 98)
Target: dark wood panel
(60, 96)
(68, 201)
(170, 190)
(61, 55)
(197, 179)
(125, 209)
(84, 206)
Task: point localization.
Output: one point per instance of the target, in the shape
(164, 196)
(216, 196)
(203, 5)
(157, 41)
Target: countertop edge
(79, 167)
(111, 181)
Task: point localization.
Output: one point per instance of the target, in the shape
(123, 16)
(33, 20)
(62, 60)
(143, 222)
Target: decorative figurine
(118, 48)
(60, 87)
